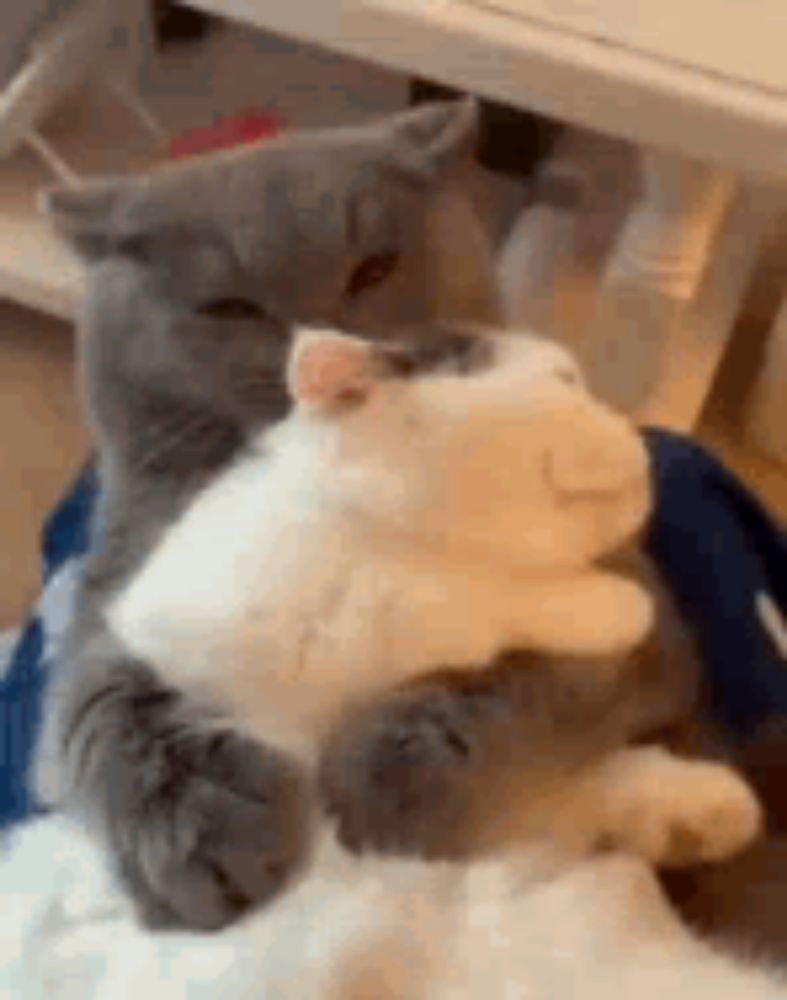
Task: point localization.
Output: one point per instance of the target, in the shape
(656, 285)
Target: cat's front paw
(685, 812)
(398, 777)
(215, 829)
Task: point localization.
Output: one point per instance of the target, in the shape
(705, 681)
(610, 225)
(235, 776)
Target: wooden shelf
(94, 136)
(230, 71)
(35, 270)
(707, 36)
(586, 79)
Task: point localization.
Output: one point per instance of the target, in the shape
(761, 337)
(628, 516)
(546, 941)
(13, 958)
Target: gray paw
(429, 769)
(400, 776)
(212, 829)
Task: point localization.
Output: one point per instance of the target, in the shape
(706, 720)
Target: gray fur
(195, 275)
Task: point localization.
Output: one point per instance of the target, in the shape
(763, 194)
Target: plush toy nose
(596, 453)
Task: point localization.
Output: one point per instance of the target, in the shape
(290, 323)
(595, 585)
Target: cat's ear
(84, 214)
(329, 371)
(437, 135)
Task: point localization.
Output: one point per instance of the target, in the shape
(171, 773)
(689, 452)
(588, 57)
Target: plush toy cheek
(598, 454)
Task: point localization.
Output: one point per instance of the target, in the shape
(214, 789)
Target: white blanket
(361, 930)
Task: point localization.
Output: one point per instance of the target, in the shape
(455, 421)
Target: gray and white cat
(195, 275)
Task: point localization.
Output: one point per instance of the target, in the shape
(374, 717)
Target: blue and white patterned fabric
(36, 650)
(723, 556)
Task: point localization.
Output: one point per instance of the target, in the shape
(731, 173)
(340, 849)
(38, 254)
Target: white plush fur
(370, 929)
(431, 522)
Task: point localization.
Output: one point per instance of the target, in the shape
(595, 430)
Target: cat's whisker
(173, 441)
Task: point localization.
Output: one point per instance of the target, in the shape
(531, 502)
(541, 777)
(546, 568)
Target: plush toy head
(488, 444)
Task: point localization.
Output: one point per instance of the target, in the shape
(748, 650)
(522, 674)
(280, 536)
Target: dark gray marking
(440, 348)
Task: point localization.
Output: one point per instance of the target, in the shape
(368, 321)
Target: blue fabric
(20, 705)
(65, 538)
(713, 541)
(718, 549)
(66, 532)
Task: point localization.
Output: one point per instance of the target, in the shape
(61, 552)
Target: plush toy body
(406, 520)
(396, 523)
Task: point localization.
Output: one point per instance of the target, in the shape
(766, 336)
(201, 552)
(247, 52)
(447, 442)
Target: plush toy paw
(592, 615)
(677, 812)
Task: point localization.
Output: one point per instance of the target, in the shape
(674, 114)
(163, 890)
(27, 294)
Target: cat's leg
(669, 810)
(414, 772)
(421, 771)
(397, 775)
(203, 824)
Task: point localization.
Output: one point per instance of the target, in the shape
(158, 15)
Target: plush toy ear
(85, 213)
(329, 370)
(596, 452)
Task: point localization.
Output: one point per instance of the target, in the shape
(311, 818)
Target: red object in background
(225, 133)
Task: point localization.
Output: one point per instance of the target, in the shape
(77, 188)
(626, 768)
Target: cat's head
(487, 441)
(197, 271)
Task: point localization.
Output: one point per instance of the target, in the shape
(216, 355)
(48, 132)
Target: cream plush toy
(402, 518)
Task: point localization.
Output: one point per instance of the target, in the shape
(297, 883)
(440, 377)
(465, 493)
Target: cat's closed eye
(370, 272)
(230, 307)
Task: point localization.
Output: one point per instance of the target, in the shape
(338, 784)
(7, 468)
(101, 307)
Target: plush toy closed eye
(402, 517)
